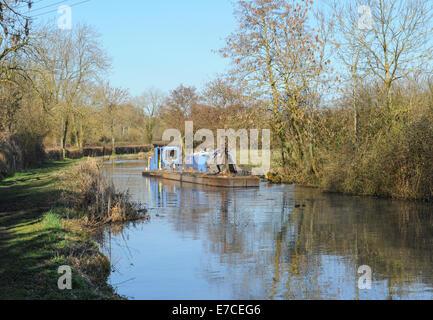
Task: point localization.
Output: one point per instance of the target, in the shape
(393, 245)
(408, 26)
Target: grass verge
(35, 240)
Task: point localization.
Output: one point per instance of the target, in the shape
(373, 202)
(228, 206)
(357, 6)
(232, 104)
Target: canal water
(272, 242)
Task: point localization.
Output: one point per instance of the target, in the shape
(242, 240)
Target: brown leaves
(12, 21)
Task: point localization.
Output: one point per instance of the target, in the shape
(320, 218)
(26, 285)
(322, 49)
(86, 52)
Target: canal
(272, 242)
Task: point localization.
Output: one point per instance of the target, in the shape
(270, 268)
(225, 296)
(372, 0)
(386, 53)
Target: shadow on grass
(29, 264)
(32, 189)
(30, 252)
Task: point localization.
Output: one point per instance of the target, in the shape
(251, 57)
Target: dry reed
(87, 190)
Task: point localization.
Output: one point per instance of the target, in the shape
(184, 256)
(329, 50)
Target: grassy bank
(95, 152)
(35, 240)
(138, 156)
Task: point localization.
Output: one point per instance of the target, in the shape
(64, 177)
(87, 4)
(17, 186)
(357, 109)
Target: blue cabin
(170, 158)
(197, 162)
(166, 158)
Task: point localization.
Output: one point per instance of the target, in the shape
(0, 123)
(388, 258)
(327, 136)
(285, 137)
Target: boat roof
(159, 144)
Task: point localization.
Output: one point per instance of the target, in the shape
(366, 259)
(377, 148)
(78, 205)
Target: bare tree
(182, 99)
(63, 65)
(109, 99)
(14, 33)
(229, 104)
(398, 44)
(150, 102)
(222, 93)
(178, 106)
(275, 52)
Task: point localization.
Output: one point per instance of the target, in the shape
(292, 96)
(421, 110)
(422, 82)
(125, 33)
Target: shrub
(19, 152)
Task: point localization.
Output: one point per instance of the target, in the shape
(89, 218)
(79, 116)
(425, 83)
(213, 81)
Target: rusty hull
(207, 180)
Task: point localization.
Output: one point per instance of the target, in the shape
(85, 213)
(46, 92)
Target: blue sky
(157, 44)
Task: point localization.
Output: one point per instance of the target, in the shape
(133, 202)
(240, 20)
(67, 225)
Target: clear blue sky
(157, 44)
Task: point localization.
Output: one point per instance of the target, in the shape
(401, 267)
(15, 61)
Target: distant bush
(74, 153)
(20, 152)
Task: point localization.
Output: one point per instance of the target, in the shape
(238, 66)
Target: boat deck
(207, 180)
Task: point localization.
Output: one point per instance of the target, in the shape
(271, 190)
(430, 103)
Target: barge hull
(207, 180)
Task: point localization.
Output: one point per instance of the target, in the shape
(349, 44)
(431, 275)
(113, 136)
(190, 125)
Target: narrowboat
(205, 168)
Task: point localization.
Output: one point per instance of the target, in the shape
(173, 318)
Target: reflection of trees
(394, 238)
(264, 247)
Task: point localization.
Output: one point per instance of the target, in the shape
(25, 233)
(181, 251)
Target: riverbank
(36, 239)
(55, 154)
(14, 157)
(354, 186)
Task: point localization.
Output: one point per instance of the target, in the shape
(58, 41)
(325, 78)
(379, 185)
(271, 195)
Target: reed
(86, 190)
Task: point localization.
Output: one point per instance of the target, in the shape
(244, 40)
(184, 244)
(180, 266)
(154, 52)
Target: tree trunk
(355, 117)
(65, 135)
(80, 137)
(113, 141)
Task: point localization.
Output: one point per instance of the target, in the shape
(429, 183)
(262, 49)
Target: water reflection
(274, 242)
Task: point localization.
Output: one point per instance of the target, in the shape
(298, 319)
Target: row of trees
(52, 90)
(54, 95)
(349, 103)
(345, 87)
